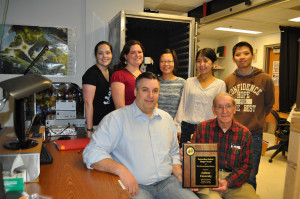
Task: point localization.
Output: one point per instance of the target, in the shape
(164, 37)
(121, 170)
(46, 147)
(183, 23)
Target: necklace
(130, 72)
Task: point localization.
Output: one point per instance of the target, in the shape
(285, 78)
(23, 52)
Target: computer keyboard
(45, 157)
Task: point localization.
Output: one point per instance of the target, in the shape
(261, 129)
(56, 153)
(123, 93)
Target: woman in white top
(197, 96)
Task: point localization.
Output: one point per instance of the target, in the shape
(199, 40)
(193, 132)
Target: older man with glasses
(234, 151)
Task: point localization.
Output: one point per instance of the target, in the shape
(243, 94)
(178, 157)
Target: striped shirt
(234, 149)
(169, 95)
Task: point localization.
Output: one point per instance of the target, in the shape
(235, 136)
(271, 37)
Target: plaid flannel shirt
(234, 149)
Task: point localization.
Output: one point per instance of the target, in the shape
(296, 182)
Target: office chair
(282, 132)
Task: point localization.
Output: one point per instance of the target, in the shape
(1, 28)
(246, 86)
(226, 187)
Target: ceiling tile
(151, 5)
(265, 19)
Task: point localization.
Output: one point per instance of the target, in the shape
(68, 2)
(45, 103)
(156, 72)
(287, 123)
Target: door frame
(267, 53)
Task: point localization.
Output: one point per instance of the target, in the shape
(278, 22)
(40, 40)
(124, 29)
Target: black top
(102, 103)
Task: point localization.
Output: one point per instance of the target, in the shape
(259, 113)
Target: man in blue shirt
(139, 144)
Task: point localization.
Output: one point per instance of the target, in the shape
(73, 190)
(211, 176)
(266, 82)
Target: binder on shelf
(63, 145)
(218, 67)
(221, 51)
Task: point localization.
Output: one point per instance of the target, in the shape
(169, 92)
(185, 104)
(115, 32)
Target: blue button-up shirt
(148, 148)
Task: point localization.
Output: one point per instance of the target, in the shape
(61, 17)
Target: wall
(89, 18)
(207, 43)
(260, 43)
(227, 63)
(47, 13)
(98, 15)
(52, 13)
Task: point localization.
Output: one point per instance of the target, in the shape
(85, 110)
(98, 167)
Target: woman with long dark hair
(126, 71)
(198, 94)
(96, 88)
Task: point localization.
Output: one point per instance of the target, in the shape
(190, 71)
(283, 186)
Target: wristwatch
(91, 129)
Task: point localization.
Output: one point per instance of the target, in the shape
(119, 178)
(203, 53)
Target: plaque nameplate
(200, 165)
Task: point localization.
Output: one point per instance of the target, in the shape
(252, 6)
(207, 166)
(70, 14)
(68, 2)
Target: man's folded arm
(111, 166)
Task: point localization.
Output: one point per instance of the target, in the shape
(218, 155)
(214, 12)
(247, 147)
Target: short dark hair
(241, 44)
(145, 75)
(125, 51)
(100, 43)
(207, 52)
(223, 94)
(175, 58)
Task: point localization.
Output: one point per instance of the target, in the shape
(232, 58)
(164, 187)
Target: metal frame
(123, 14)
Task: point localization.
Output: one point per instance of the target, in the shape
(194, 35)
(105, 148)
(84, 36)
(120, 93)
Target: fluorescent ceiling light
(297, 19)
(238, 30)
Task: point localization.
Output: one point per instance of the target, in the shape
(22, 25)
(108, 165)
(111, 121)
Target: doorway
(272, 59)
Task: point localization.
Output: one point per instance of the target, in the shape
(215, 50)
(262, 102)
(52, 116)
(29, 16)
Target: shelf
(218, 68)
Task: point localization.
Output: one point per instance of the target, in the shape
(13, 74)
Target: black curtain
(288, 71)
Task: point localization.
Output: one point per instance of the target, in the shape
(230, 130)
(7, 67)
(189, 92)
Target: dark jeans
(256, 146)
(187, 130)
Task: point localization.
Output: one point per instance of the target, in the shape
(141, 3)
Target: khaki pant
(246, 191)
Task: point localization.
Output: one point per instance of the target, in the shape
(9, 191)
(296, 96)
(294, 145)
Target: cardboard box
(30, 157)
(292, 180)
(14, 182)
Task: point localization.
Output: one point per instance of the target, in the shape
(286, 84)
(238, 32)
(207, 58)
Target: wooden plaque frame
(200, 165)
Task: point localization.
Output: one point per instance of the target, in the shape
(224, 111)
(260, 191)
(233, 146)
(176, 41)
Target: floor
(271, 176)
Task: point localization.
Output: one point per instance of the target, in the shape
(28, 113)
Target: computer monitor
(19, 88)
(20, 129)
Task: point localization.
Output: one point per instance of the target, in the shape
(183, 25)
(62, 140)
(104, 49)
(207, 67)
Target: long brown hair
(126, 49)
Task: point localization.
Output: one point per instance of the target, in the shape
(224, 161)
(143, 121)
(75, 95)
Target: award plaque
(200, 165)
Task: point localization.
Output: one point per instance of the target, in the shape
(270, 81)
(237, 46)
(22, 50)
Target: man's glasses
(166, 62)
(227, 107)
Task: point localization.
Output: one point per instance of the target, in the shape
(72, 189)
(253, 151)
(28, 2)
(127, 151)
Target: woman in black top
(96, 87)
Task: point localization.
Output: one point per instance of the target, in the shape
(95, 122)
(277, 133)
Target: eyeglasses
(227, 107)
(168, 62)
